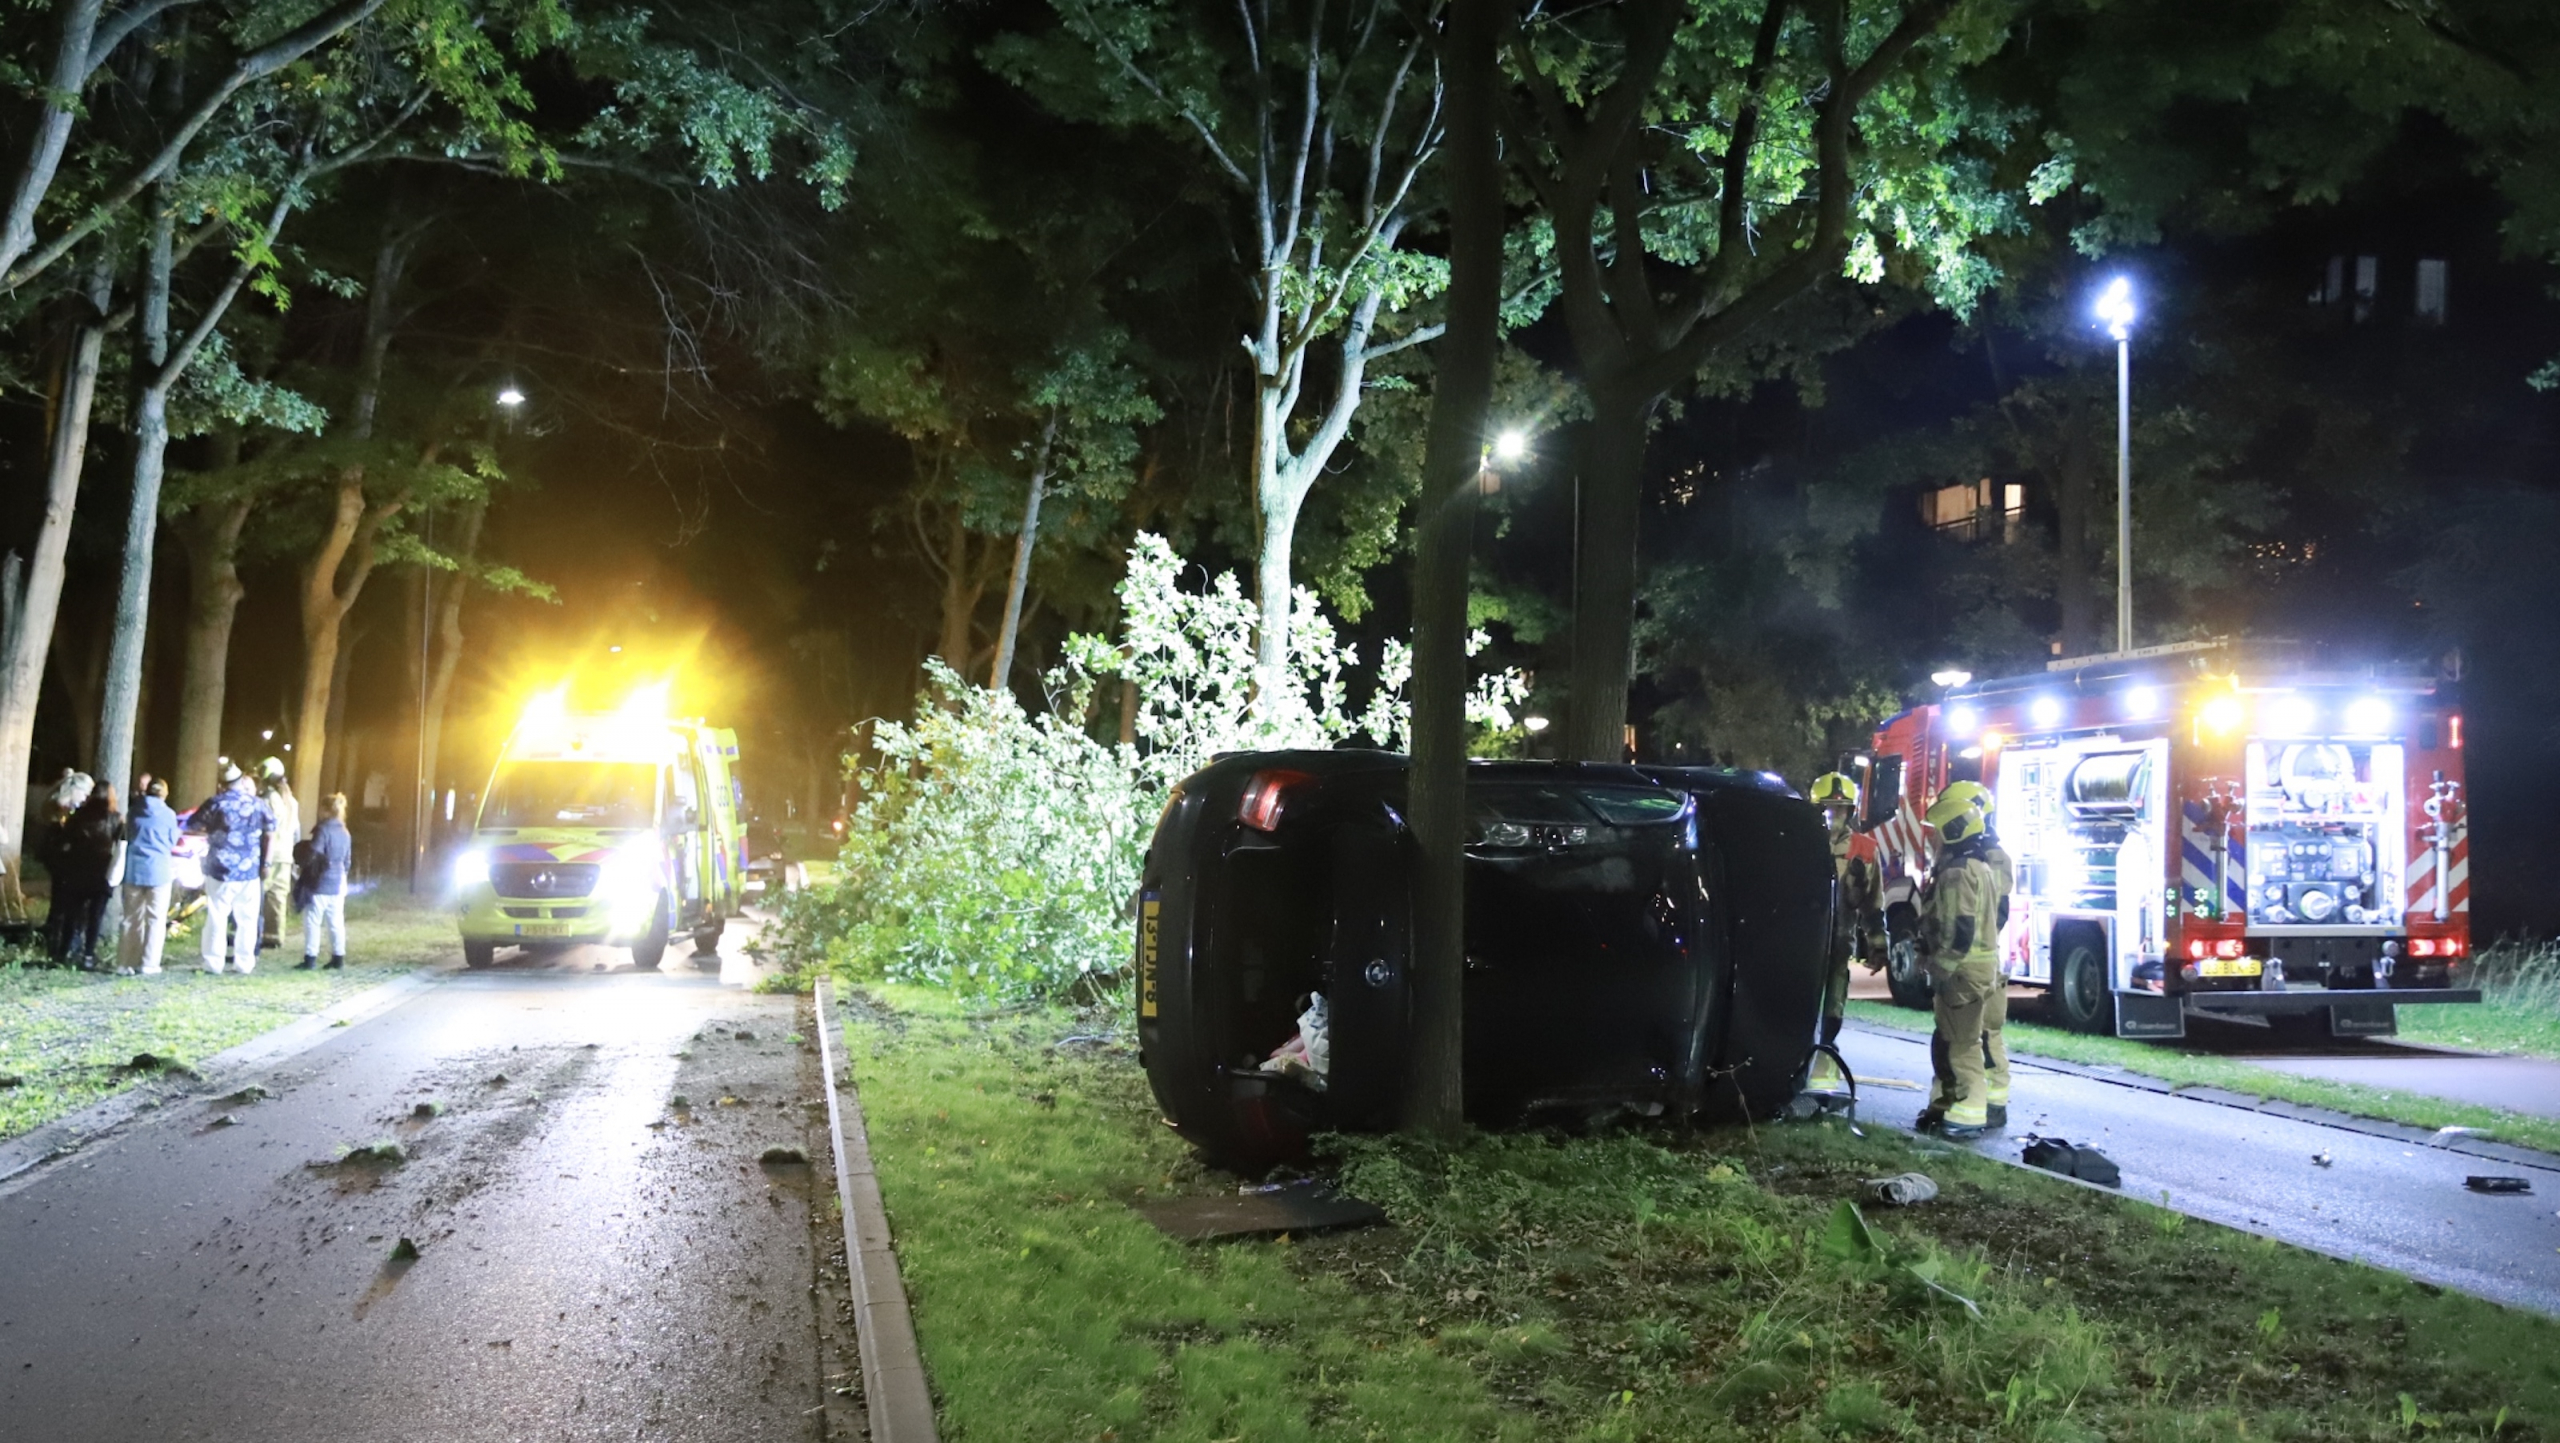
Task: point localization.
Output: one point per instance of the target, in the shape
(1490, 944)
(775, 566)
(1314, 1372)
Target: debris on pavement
(225, 1120)
(381, 1149)
(2477, 1183)
(426, 1110)
(2054, 1154)
(252, 1093)
(2323, 1159)
(404, 1251)
(1903, 1190)
(680, 1103)
(9, 1080)
(779, 1155)
(498, 1081)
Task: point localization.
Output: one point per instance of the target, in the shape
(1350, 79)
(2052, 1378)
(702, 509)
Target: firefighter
(1995, 1014)
(1959, 938)
(1837, 796)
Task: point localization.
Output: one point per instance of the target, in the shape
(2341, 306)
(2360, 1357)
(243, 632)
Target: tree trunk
(1610, 502)
(52, 129)
(960, 592)
(1011, 628)
(211, 536)
(2075, 486)
(1461, 393)
(347, 645)
(448, 644)
(79, 665)
(33, 608)
(347, 545)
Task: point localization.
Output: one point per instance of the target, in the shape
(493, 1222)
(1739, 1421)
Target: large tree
(1703, 167)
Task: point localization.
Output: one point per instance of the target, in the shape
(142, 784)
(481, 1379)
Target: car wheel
(2080, 991)
(1903, 974)
(479, 954)
(649, 951)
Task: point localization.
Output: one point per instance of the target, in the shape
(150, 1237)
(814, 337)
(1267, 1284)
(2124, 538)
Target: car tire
(2080, 991)
(649, 951)
(479, 954)
(1904, 975)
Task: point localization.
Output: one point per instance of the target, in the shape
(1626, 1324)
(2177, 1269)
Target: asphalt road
(593, 1262)
(2378, 1200)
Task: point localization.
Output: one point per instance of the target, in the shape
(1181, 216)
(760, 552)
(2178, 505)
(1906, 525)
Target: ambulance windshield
(572, 794)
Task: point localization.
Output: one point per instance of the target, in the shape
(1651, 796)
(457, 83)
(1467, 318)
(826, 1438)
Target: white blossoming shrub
(995, 853)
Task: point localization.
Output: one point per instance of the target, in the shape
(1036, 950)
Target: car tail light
(1263, 797)
(2230, 947)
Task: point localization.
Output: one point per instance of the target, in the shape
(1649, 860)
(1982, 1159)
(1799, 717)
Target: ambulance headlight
(471, 869)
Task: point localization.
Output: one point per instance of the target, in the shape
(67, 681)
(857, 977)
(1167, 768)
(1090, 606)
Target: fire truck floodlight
(1962, 720)
(1993, 741)
(2369, 716)
(2045, 711)
(2141, 703)
(2221, 714)
(2289, 716)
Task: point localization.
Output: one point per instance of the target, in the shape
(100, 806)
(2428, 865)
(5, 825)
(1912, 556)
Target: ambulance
(2231, 829)
(619, 830)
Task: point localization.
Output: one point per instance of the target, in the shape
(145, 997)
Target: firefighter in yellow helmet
(1960, 915)
(1995, 1015)
(1837, 795)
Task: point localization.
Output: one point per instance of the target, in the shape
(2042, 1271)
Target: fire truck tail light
(2230, 947)
(2455, 722)
(2422, 946)
(2198, 947)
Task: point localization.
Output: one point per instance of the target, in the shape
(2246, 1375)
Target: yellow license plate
(2228, 967)
(1150, 912)
(542, 929)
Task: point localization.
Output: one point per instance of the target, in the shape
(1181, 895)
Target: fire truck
(2217, 828)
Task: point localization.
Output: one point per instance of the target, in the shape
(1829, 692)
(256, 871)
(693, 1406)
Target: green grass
(2519, 1008)
(66, 1036)
(2183, 1068)
(1648, 1285)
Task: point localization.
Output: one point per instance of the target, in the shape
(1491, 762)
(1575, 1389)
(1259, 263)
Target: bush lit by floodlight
(2115, 307)
(1510, 446)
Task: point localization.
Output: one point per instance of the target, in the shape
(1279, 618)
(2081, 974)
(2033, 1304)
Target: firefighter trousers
(1825, 1076)
(1967, 1054)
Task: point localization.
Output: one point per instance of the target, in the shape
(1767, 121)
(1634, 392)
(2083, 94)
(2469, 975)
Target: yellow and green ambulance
(620, 830)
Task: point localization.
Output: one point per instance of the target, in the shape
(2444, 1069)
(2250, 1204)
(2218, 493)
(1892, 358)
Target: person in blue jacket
(150, 837)
(325, 883)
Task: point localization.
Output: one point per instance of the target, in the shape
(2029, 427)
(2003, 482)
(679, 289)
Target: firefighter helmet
(1834, 789)
(1955, 817)
(1972, 794)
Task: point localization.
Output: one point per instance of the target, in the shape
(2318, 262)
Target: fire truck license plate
(2228, 967)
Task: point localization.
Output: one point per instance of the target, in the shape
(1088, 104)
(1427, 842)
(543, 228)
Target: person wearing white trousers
(235, 902)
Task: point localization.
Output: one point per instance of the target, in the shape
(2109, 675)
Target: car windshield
(572, 794)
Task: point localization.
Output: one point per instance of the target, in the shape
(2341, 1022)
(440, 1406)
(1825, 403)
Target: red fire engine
(2217, 827)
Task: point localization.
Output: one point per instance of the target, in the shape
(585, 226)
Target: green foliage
(994, 853)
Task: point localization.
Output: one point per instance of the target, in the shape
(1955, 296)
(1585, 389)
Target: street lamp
(510, 397)
(2115, 312)
(1510, 446)
(1951, 677)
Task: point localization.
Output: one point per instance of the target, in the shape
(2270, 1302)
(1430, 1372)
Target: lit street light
(510, 398)
(1952, 676)
(1510, 446)
(2115, 311)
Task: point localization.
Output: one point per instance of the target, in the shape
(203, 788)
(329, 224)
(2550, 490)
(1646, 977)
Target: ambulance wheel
(2080, 989)
(479, 954)
(1904, 975)
(649, 951)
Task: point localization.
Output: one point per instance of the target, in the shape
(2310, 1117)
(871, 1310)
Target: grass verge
(1652, 1285)
(2519, 1007)
(2194, 1069)
(67, 1037)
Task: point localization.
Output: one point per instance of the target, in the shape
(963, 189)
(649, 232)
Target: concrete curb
(2479, 1147)
(73, 1131)
(893, 1380)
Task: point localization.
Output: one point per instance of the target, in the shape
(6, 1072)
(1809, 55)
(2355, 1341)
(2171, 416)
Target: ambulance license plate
(542, 929)
(2228, 967)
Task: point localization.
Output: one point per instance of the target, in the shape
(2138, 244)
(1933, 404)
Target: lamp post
(2115, 311)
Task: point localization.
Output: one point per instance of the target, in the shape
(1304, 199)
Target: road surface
(2385, 1201)
(593, 1261)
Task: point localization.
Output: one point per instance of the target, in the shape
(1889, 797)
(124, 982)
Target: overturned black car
(1645, 938)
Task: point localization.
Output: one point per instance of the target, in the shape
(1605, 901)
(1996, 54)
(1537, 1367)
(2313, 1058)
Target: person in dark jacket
(151, 838)
(84, 857)
(326, 885)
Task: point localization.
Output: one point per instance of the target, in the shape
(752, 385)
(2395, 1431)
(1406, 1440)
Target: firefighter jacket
(1856, 875)
(2002, 869)
(1960, 910)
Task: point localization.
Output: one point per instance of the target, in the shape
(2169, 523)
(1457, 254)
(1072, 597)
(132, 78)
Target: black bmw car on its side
(1647, 938)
